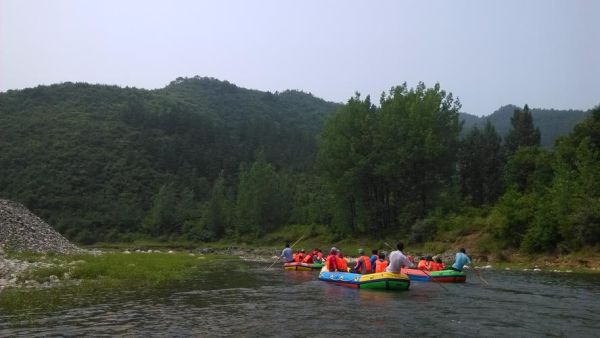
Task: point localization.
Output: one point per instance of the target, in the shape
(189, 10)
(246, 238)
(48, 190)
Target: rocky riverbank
(21, 230)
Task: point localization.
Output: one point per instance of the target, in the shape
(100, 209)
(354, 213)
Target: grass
(96, 275)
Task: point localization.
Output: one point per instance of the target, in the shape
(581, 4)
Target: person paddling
(287, 254)
(398, 260)
(460, 261)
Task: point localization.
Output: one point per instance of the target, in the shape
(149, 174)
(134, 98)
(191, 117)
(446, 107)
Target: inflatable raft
(380, 281)
(443, 276)
(302, 266)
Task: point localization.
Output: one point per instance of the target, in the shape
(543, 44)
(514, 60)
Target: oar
(291, 246)
(425, 272)
(479, 275)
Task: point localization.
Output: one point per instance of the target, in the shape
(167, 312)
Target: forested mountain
(203, 159)
(551, 122)
(91, 158)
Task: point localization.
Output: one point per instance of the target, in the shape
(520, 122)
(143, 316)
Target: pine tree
(523, 133)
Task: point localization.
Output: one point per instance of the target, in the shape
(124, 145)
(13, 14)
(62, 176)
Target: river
(249, 300)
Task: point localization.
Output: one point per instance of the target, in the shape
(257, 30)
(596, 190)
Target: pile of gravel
(21, 230)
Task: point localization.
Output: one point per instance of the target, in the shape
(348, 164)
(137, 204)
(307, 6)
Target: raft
(378, 281)
(442, 276)
(295, 266)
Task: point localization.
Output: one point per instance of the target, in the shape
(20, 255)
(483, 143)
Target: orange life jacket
(423, 265)
(435, 266)
(380, 265)
(366, 266)
(308, 259)
(295, 257)
(342, 264)
(299, 257)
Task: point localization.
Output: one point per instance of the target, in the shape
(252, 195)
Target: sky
(487, 53)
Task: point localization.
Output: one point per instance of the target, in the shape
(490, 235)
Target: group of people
(375, 263)
(431, 264)
(315, 256)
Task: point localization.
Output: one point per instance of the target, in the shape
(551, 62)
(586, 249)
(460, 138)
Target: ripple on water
(251, 301)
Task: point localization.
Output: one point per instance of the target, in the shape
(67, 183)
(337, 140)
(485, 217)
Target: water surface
(243, 299)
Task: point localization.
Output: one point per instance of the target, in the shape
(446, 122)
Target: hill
(551, 122)
(91, 158)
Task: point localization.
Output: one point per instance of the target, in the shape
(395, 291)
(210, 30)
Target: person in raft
(300, 256)
(460, 261)
(310, 258)
(398, 260)
(319, 256)
(374, 258)
(437, 264)
(287, 254)
(380, 263)
(423, 265)
(363, 263)
(331, 261)
(342, 263)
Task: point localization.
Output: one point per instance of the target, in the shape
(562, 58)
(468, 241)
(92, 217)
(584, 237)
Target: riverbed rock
(21, 230)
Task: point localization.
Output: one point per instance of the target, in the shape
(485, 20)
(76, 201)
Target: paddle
(291, 246)
(479, 275)
(425, 272)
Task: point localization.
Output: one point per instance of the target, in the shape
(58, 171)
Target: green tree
(388, 165)
(481, 162)
(523, 133)
(218, 210)
(262, 203)
(162, 215)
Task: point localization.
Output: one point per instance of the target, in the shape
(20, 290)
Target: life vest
(300, 257)
(308, 259)
(331, 263)
(295, 256)
(422, 265)
(366, 267)
(435, 266)
(342, 264)
(380, 265)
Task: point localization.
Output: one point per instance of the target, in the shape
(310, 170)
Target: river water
(249, 300)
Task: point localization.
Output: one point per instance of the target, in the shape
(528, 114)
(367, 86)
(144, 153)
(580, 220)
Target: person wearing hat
(331, 261)
(363, 263)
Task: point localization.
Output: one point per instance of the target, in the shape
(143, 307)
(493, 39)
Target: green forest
(205, 160)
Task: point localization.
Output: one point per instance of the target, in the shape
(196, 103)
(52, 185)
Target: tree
(523, 132)
(481, 165)
(218, 210)
(262, 203)
(387, 165)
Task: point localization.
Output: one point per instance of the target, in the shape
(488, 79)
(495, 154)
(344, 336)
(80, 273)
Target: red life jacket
(295, 257)
(380, 265)
(435, 266)
(366, 266)
(331, 263)
(342, 264)
(300, 257)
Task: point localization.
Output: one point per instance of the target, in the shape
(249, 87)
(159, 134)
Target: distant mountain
(551, 122)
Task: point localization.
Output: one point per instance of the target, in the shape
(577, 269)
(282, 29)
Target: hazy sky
(488, 53)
